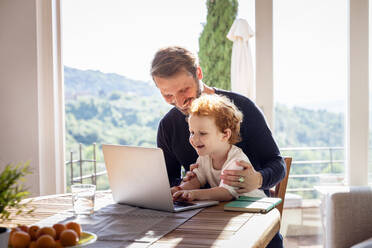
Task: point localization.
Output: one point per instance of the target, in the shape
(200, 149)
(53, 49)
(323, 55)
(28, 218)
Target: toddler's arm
(192, 184)
(216, 193)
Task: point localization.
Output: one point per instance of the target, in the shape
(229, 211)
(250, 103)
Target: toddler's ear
(226, 134)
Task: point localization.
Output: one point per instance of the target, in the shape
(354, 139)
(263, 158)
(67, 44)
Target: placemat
(118, 225)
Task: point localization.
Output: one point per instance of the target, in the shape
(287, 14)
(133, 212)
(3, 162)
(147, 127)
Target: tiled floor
(302, 227)
(308, 241)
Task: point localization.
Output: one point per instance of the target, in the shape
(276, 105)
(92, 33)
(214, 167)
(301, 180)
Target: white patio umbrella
(242, 79)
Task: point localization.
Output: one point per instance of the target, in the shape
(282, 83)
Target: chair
(281, 187)
(347, 218)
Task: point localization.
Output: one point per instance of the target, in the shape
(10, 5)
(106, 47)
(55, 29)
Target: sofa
(348, 218)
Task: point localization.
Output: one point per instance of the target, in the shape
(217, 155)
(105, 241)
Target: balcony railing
(328, 162)
(330, 158)
(70, 164)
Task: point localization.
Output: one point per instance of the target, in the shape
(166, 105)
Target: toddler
(214, 124)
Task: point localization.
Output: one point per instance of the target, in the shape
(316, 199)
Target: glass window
(109, 94)
(370, 100)
(310, 75)
(310, 79)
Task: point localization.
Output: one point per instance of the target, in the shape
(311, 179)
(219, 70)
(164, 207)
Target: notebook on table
(253, 204)
(138, 177)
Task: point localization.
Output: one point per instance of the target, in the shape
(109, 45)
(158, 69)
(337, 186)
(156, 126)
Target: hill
(96, 101)
(301, 127)
(96, 83)
(109, 108)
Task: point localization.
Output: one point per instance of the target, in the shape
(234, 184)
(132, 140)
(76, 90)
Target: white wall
(357, 133)
(264, 59)
(31, 88)
(18, 87)
(31, 96)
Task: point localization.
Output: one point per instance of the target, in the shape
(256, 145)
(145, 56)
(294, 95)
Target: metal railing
(80, 162)
(330, 161)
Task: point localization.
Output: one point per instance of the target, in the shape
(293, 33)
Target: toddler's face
(205, 136)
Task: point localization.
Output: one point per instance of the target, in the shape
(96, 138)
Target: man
(178, 77)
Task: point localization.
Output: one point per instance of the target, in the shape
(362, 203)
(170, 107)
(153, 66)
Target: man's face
(179, 90)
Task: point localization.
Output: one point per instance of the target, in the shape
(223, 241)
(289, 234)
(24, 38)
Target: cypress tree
(214, 48)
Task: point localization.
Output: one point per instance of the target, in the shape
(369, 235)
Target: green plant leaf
(12, 190)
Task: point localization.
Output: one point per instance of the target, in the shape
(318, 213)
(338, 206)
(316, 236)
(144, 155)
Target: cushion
(365, 244)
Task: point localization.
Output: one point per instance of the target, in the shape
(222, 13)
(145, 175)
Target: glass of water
(83, 198)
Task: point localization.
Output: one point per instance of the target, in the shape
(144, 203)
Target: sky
(310, 52)
(121, 36)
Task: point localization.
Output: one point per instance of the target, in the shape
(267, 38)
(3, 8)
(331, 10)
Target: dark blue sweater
(257, 142)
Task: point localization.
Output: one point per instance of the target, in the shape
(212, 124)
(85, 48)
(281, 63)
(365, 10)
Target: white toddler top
(206, 173)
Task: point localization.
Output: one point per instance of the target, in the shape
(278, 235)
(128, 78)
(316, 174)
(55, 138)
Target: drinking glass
(83, 198)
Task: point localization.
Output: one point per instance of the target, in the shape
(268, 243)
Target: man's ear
(199, 73)
(226, 134)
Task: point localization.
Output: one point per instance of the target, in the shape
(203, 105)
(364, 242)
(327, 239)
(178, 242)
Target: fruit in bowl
(59, 235)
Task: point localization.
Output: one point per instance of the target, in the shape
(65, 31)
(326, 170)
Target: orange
(45, 241)
(23, 228)
(74, 226)
(33, 244)
(46, 230)
(14, 229)
(69, 237)
(32, 230)
(20, 239)
(58, 244)
(59, 228)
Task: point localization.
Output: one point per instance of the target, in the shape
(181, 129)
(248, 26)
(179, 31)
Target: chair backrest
(281, 187)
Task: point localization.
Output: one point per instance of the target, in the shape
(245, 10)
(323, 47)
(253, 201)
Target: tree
(214, 47)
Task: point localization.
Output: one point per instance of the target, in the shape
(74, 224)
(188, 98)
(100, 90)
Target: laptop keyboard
(182, 204)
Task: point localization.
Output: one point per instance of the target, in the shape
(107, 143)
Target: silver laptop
(138, 177)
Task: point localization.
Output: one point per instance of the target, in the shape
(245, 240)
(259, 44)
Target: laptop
(138, 177)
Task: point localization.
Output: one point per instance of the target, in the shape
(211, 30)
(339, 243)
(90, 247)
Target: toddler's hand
(184, 195)
(190, 175)
(175, 189)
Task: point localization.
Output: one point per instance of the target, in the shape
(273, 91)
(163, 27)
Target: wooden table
(212, 227)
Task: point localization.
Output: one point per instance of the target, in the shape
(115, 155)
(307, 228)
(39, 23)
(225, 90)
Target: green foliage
(298, 127)
(117, 118)
(214, 47)
(85, 109)
(132, 117)
(114, 96)
(11, 189)
(129, 120)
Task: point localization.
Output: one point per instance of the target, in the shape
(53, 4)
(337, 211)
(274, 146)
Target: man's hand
(185, 195)
(190, 175)
(246, 180)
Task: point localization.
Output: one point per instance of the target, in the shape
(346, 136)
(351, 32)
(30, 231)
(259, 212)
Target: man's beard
(198, 93)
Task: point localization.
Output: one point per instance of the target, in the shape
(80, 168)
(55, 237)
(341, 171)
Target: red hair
(225, 113)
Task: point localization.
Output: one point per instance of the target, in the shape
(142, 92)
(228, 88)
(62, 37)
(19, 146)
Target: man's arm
(266, 158)
(273, 173)
(269, 173)
(172, 164)
(259, 145)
